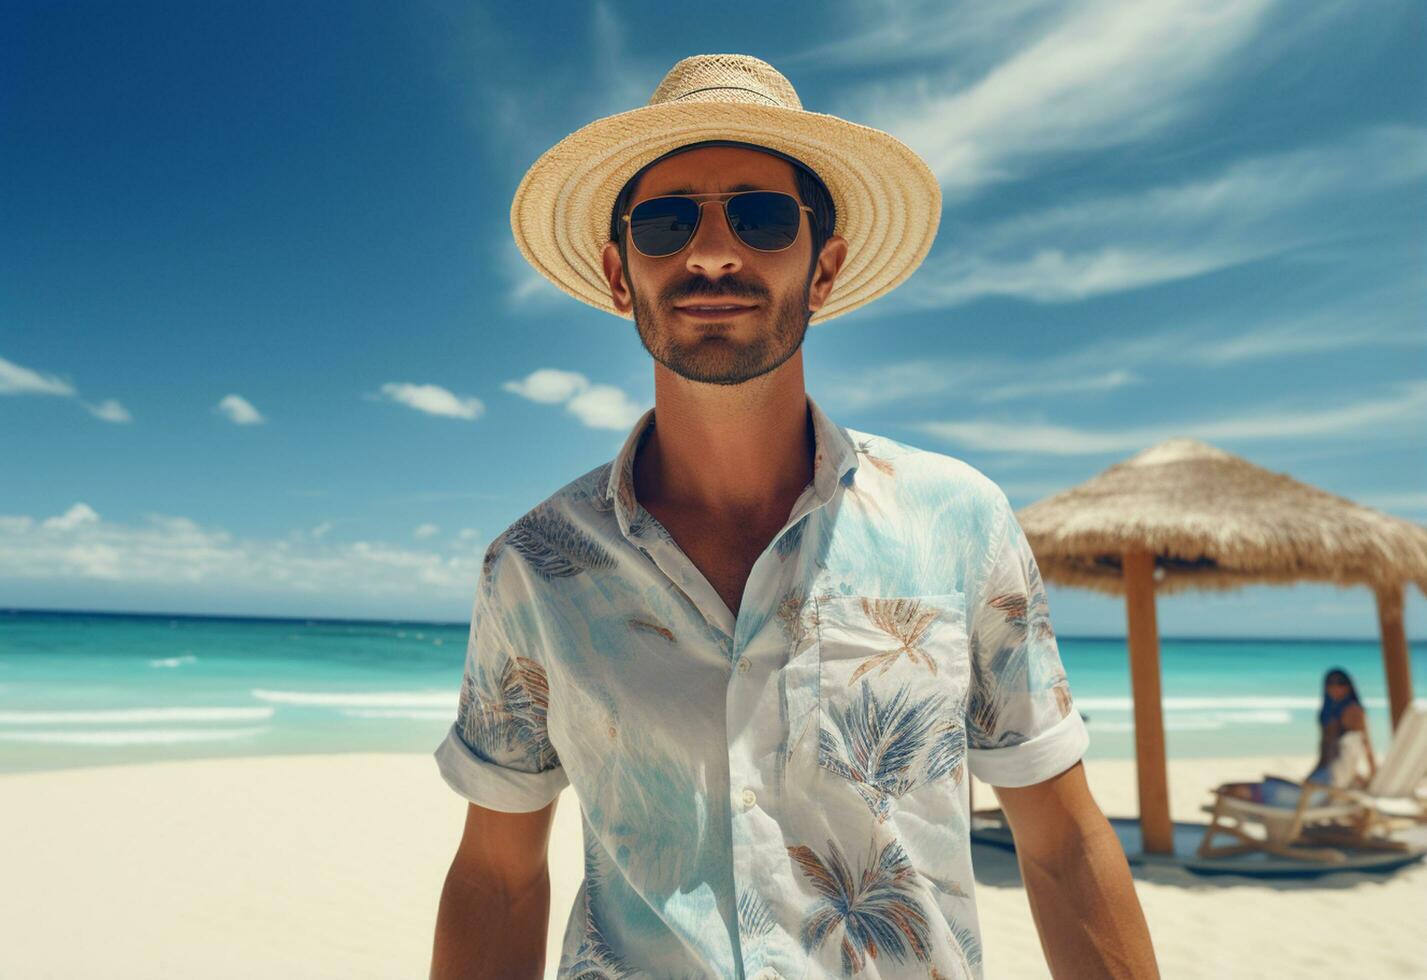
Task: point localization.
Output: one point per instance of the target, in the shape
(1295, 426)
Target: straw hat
(887, 200)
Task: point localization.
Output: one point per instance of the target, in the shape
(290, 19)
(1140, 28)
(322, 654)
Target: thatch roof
(1214, 520)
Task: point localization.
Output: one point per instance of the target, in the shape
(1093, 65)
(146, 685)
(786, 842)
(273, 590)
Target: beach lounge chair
(1347, 816)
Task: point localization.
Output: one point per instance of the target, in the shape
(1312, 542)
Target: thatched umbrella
(1186, 515)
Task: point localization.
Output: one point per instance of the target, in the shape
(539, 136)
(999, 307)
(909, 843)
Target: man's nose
(714, 250)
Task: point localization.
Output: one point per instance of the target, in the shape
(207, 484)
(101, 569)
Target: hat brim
(887, 199)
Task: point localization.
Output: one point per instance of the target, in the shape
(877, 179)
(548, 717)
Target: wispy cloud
(1108, 381)
(598, 406)
(167, 550)
(958, 33)
(109, 410)
(1106, 74)
(423, 531)
(1403, 409)
(1372, 317)
(433, 400)
(1251, 210)
(18, 380)
(239, 410)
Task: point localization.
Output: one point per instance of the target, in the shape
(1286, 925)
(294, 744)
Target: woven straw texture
(887, 199)
(1216, 521)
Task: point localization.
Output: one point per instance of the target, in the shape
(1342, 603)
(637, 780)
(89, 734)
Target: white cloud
(1403, 409)
(78, 515)
(953, 33)
(109, 410)
(1108, 73)
(1107, 381)
(433, 400)
(239, 410)
(1253, 209)
(1366, 319)
(172, 551)
(321, 529)
(17, 380)
(426, 531)
(604, 407)
(529, 290)
(548, 385)
(598, 406)
(468, 534)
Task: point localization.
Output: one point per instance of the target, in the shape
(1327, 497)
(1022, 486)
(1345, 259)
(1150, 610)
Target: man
(763, 649)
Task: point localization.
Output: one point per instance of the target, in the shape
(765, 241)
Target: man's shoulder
(934, 476)
(563, 535)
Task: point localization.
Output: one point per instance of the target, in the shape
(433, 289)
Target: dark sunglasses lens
(765, 220)
(663, 225)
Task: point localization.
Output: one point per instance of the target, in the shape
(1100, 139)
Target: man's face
(716, 267)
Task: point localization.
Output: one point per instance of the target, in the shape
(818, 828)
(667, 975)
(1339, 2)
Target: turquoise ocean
(95, 689)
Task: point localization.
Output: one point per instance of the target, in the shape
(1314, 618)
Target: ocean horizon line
(369, 621)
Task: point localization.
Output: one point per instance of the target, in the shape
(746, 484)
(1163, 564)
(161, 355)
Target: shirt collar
(834, 462)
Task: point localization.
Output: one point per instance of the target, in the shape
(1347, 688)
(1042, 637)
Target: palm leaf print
(798, 618)
(493, 552)
(507, 711)
(595, 959)
(648, 627)
(596, 490)
(970, 945)
(876, 744)
(1013, 605)
(946, 887)
(864, 448)
(983, 709)
(948, 751)
(1061, 689)
(903, 620)
(878, 912)
(755, 919)
(554, 547)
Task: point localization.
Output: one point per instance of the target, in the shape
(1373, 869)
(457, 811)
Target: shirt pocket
(893, 679)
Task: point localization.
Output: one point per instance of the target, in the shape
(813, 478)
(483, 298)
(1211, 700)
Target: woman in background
(1342, 716)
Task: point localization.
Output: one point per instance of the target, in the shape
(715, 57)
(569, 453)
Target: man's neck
(727, 452)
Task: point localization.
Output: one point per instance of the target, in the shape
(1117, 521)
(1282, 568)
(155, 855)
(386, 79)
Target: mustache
(727, 286)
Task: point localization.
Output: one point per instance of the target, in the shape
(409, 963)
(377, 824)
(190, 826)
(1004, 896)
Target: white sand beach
(331, 866)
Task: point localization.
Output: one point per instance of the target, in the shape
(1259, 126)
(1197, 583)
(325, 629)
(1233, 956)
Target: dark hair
(1334, 709)
(811, 190)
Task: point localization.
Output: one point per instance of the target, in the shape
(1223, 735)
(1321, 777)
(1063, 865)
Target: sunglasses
(767, 221)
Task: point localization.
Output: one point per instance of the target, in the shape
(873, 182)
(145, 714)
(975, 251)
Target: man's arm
(1077, 880)
(495, 906)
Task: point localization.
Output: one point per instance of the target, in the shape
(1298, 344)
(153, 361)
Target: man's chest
(724, 552)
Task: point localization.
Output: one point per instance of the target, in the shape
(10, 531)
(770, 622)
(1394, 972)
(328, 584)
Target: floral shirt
(781, 792)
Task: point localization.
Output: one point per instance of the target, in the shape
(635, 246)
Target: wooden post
(1156, 828)
(1394, 650)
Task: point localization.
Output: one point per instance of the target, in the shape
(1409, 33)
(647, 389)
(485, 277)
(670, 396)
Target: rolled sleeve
(1022, 724)
(497, 753)
(491, 784)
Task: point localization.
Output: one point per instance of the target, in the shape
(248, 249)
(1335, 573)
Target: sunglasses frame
(721, 197)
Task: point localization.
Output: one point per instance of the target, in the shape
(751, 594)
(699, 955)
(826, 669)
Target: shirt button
(749, 797)
(743, 665)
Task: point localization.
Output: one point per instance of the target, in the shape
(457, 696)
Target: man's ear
(830, 261)
(618, 283)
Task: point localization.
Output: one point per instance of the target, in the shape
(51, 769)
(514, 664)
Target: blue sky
(267, 347)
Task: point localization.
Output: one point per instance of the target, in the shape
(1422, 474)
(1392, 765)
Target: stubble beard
(718, 359)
